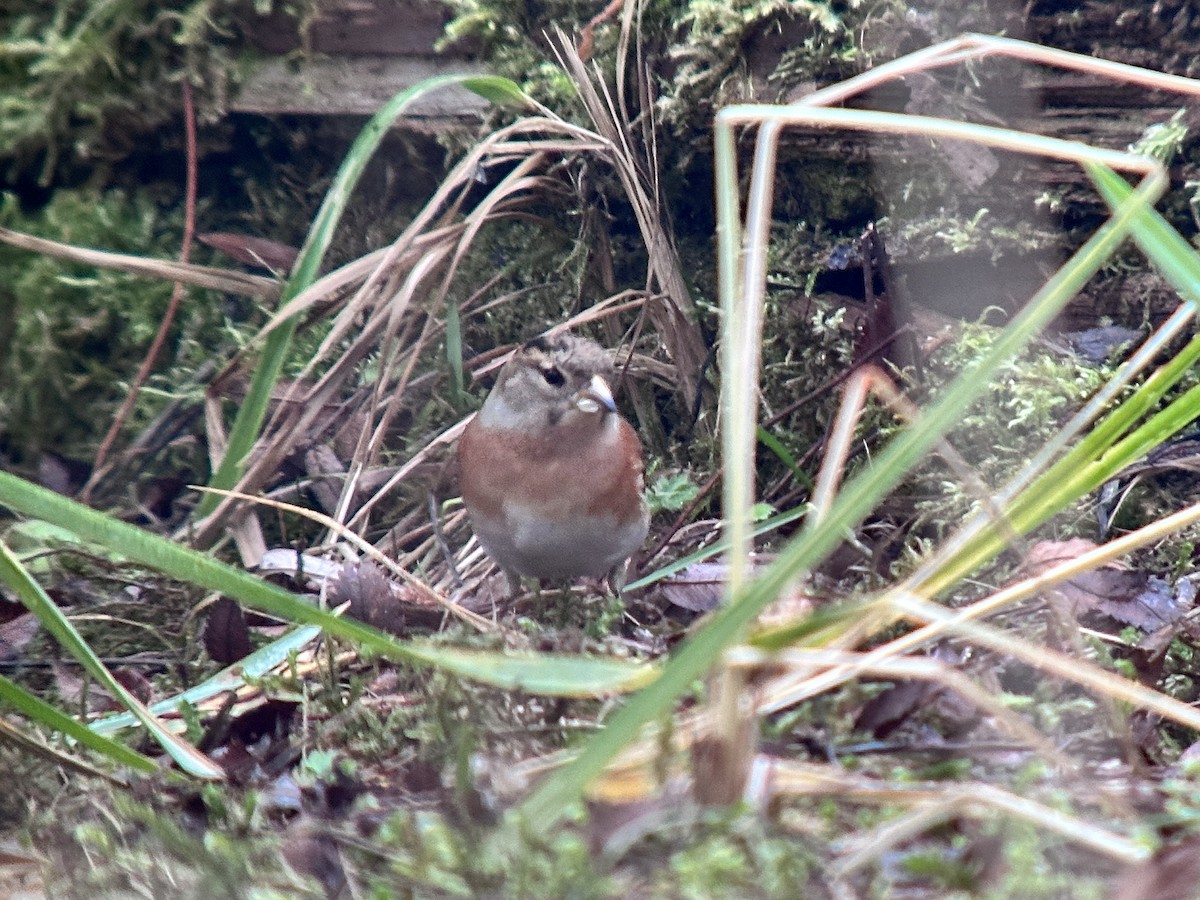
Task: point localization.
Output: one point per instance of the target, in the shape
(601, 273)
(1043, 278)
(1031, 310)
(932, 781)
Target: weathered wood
(354, 55)
(356, 28)
(335, 86)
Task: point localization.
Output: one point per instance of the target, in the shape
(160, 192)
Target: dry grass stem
(803, 662)
(471, 618)
(224, 280)
(788, 691)
(952, 801)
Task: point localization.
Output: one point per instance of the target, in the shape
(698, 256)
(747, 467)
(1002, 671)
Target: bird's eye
(553, 377)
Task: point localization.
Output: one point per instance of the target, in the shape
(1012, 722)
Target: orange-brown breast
(558, 471)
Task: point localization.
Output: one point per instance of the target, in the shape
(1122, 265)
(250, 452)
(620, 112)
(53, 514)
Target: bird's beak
(595, 396)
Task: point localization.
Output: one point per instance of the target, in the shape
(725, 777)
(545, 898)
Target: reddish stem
(189, 227)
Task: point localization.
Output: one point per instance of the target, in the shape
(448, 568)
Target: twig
(185, 250)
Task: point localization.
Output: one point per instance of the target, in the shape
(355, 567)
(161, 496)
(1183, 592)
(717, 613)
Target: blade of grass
(1168, 249)
(594, 677)
(256, 665)
(1102, 453)
(780, 696)
(557, 676)
(52, 619)
(43, 713)
(715, 548)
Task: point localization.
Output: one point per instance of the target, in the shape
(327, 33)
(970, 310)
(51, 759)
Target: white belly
(529, 546)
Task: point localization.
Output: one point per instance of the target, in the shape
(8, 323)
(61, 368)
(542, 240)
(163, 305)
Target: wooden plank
(355, 28)
(358, 85)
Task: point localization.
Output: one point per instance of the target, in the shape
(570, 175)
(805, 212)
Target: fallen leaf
(136, 683)
(252, 251)
(1172, 873)
(368, 590)
(1132, 598)
(1096, 345)
(1181, 454)
(885, 712)
(698, 587)
(226, 635)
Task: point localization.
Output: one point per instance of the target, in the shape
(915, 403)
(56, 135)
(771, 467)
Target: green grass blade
(42, 712)
(784, 455)
(545, 674)
(498, 90)
(714, 549)
(256, 665)
(1102, 453)
(1166, 247)
(39, 603)
(563, 676)
(531, 671)
(565, 786)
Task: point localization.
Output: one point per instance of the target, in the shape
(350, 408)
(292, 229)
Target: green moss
(77, 335)
(84, 82)
(752, 51)
(949, 232)
(1028, 401)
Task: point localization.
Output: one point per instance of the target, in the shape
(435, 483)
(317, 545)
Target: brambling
(551, 473)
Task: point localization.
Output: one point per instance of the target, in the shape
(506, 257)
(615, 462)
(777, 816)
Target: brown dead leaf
(369, 591)
(1130, 597)
(885, 712)
(700, 586)
(951, 714)
(1047, 554)
(1173, 873)
(136, 683)
(1097, 344)
(16, 634)
(697, 587)
(252, 251)
(226, 635)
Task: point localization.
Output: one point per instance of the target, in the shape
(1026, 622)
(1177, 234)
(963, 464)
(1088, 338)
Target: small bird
(551, 473)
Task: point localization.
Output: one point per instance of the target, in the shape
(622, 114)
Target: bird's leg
(514, 584)
(618, 576)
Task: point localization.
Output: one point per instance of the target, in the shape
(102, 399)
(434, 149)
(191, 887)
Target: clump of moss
(1027, 402)
(83, 83)
(74, 336)
(752, 51)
